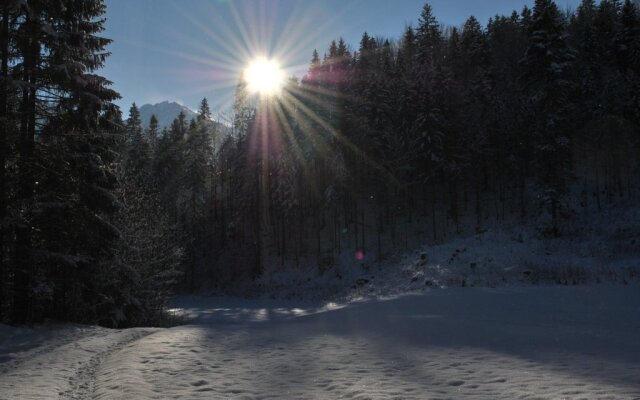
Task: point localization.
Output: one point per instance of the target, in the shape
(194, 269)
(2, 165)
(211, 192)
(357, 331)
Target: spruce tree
(406, 52)
(136, 145)
(197, 165)
(152, 132)
(8, 128)
(547, 65)
(428, 37)
(628, 56)
(56, 59)
(204, 113)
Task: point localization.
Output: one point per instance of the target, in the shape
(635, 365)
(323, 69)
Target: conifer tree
(136, 144)
(243, 112)
(547, 65)
(8, 125)
(204, 113)
(428, 37)
(152, 132)
(197, 165)
(56, 58)
(406, 52)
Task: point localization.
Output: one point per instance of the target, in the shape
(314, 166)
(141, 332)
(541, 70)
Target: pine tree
(152, 132)
(148, 255)
(428, 125)
(197, 165)
(178, 128)
(547, 65)
(149, 252)
(169, 165)
(473, 43)
(408, 102)
(312, 77)
(136, 145)
(588, 60)
(476, 90)
(55, 59)
(428, 37)
(628, 39)
(243, 112)
(526, 19)
(204, 113)
(628, 56)
(606, 24)
(8, 125)
(134, 124)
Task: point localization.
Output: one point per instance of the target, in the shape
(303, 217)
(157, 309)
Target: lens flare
(264, 76)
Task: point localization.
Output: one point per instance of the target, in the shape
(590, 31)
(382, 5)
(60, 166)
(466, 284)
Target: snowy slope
(166, 112)
(529, 343)
(598, 248)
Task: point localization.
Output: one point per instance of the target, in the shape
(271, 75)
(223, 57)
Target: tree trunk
(24, 270)
(257, 270)
(364, 245)
(4, 128)
(283, 241)
(453, 203)
(478, 208)
(355, 225)
(380, 228)
(194, 259)
(433, 215)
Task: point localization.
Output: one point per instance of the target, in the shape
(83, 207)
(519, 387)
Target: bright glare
(264, 76)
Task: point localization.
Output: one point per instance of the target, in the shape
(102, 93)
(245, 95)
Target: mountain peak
(165, 112)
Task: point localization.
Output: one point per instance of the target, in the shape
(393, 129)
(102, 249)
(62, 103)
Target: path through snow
(59, 362)
(528, 343)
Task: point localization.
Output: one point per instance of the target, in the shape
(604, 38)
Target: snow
(470, 317)
(56, 361)
(526, 342)
(597, 247)
(165, 112)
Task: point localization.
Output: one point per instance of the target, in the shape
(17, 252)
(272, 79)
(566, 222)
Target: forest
(445, 130)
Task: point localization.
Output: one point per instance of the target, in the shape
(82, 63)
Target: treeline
(404, 141)
(409, 141)
(81, 236)
(535, 115)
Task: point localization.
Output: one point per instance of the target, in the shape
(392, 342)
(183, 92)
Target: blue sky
(184, 50)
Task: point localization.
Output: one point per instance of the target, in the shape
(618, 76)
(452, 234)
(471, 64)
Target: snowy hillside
(166, 112)
(601, 247)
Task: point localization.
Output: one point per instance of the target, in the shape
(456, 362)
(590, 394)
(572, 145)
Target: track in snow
(524, 343)
(82, 384)
(528, 343)
(64, 365)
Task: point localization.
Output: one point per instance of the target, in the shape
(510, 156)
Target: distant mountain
(166, 112)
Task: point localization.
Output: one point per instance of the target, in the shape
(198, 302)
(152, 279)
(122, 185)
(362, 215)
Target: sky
(184, 50)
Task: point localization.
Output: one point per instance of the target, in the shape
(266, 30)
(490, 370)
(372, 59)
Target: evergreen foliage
(444, 125)
(63, 147)
(373, 148)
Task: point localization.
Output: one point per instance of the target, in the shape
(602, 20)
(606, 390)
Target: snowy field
(506, 343)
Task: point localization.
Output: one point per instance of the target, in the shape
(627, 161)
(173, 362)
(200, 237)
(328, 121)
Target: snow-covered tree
(548, 85)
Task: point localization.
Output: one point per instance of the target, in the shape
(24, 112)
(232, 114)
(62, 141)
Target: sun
(264, 76)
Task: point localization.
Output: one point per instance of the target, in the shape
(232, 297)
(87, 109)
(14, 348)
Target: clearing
(506, 343)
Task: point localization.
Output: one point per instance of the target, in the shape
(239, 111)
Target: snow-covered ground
(59, 361)
(480, 343)
(460, 319)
